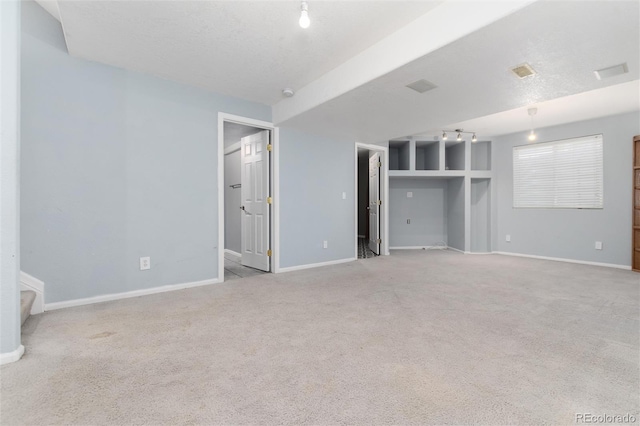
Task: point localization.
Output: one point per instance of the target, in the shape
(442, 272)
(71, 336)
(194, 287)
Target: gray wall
(232, 202)
(427, 210)
(9, 174)
(115, 165)
(455, 211)
(314, 171)
(567, 233)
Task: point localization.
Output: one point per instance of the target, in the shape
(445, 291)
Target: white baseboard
(316, 265)
(13, 356)
(455, 249)
(233, 253)
(418, 248)
(127, 294)
(28, 282)
(560, 259)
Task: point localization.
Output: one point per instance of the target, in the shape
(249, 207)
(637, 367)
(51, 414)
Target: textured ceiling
(247, 49)
(253, 49)
(563, 41)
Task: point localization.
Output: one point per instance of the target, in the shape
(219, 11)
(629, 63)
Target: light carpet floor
(418, 337)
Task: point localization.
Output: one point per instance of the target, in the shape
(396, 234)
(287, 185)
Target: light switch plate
(508, 238)
(409, 194)
(344, 195)
(598, 245)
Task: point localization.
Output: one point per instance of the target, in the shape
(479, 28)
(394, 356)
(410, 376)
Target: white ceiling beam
(444, 24)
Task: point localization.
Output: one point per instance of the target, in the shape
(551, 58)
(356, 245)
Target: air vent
(611, 71)
(523, 71)
(421, 86)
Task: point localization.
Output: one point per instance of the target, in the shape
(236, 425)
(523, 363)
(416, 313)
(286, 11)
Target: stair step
(26, 300)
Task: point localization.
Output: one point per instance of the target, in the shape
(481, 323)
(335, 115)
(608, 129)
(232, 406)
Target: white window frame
(551, 175)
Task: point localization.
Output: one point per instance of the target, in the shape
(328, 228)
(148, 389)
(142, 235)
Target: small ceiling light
(304, 15)
(287, 93)
(532, 134)
(473, 138)
(444, 136)
(459, 138)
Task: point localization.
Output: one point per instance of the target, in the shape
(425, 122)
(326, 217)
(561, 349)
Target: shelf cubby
(454, 155)
(427, 155)
(399, 155)
(481, 156)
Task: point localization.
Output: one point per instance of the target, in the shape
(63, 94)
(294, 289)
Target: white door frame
(384, 195)
(275, 187)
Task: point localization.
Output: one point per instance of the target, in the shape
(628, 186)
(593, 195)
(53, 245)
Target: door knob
(241, 207)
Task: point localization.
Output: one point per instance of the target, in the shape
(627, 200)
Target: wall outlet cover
(325, 244)
(344, 195)
(145, 263)
(409, 194)
(508, 238)
(598, 245)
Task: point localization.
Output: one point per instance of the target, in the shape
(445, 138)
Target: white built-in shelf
(439, 158)
(428, 173)
(453, 175)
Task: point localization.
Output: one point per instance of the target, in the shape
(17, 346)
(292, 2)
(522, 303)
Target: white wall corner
(13, 356)
(28, 282)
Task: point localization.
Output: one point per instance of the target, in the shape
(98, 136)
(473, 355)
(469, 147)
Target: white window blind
(564, 174)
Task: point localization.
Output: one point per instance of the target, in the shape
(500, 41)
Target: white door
(374, 203)
(255, 209)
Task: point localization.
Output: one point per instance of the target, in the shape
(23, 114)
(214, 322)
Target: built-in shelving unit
(440, 193)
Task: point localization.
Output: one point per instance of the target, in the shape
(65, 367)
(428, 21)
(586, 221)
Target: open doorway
(371, 201)
(247, 193)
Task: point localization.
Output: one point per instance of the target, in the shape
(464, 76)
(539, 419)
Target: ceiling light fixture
(304, 15)
(287, 93)
(532, 134)
(459, 132)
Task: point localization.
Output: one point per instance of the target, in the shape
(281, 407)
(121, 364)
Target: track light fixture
(532, 134)
(459, 132)
(304, 15)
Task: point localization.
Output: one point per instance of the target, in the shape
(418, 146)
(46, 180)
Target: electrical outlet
(325, 244)
(344, 195)
(145, 263)
(598, 245)
(409, 194)
(508, 238)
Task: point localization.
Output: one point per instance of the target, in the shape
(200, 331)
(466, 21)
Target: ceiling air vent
(611, 71)
(523, 71)
(421, 86)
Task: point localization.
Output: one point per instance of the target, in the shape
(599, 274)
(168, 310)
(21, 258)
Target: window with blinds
(564, 174)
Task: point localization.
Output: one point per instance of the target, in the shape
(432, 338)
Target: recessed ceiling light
(421, 86)
(611, 71)
(523, 71)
